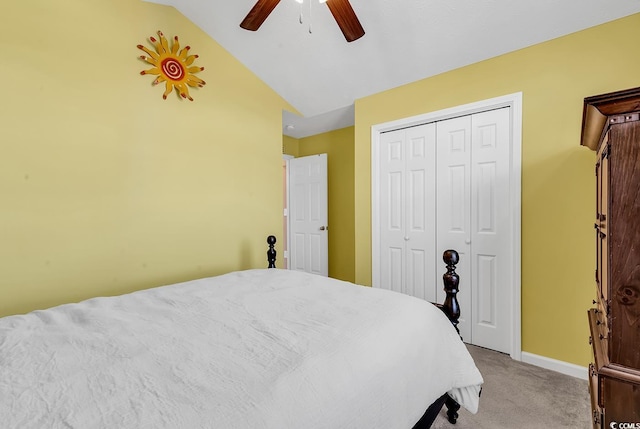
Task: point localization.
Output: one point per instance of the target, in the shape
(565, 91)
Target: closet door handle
(406, 239)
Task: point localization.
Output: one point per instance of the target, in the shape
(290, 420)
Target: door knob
(467, 241)
(406, 239)
(322, 228)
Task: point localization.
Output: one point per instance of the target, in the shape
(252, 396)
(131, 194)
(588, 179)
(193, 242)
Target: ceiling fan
(340, 9)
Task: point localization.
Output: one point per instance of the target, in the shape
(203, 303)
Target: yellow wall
(338, 145)
(557, 174)
(290, 146)
(108, 188)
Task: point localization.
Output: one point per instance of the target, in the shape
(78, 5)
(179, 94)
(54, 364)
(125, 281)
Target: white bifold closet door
(445, 185)
(473, 218)
(407, 218)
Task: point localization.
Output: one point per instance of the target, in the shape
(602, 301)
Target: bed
(254, 349)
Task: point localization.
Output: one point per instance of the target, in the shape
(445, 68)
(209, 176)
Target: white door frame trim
(285, 254)
(514, 101)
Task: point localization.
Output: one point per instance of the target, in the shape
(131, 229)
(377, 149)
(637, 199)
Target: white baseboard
(556, 365)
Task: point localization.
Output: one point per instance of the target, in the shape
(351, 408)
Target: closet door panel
(392, 213)
(487, 291)
(407, 215)
(395, 271)
(420, 221)
(490, 223)
(453, 205)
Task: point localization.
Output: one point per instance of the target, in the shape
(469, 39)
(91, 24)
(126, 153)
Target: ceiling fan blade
(346, 19)
(258, 14)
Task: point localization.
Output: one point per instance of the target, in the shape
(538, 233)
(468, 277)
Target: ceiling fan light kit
(341, 10)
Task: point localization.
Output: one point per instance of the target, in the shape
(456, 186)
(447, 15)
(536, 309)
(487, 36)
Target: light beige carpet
(523, 396)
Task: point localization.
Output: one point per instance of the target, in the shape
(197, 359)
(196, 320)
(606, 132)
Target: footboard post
(452, 409)
(451, 281)
(271, 253)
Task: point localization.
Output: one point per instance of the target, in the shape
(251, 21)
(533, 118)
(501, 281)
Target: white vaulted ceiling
(321, 75)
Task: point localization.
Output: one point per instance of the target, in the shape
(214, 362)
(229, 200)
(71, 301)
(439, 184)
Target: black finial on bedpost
(451, 281)
(271, 253)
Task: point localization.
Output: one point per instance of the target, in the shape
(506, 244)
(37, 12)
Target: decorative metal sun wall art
(172, 65)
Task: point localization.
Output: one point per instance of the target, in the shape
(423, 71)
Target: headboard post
(451, 281)
(271, 253)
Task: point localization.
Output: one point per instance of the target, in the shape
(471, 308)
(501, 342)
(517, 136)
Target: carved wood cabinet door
(611, 126)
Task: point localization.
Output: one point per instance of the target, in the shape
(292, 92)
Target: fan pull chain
(301, 19)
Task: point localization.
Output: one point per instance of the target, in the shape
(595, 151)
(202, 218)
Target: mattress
(252, 349)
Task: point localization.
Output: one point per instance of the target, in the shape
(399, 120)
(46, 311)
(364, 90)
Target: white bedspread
(252, 349)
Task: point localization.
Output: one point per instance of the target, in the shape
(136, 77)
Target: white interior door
(392, 216)
(491, 253)
(308, 214)
(407, 224)
(474, 219)
(454, 207)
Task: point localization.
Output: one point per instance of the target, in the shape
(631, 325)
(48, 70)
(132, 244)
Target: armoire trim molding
(514, 102)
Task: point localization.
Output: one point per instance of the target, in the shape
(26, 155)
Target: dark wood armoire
(611, 127)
